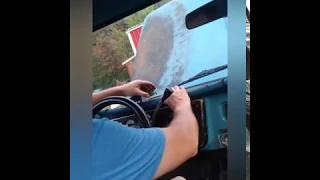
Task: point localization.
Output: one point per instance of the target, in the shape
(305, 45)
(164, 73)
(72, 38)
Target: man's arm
(133, 88)
(122, 152)
(181, 135)
(98, 96)
(181, 141)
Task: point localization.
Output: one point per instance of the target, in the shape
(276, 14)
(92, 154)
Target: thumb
(143, 94)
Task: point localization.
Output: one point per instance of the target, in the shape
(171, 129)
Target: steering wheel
(141, 115)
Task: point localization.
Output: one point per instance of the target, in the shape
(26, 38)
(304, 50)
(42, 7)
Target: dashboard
(209, 104)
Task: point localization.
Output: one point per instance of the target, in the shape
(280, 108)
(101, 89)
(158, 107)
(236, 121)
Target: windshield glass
(169, 53)
(155, 45)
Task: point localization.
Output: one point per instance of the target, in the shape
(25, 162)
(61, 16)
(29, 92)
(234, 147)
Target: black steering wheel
(141, 115)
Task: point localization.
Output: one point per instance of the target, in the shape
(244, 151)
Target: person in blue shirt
(124, 153)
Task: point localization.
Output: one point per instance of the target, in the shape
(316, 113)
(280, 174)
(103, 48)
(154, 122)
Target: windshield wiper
(204, 73)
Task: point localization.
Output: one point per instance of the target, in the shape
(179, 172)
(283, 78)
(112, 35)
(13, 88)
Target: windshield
(169, 53)
(155, 45)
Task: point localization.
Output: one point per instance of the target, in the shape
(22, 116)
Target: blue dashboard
(209, 103)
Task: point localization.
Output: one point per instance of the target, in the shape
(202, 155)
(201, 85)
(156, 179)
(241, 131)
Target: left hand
(138, 88)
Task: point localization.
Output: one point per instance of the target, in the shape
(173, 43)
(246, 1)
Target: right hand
(138, 88)
(179, 99)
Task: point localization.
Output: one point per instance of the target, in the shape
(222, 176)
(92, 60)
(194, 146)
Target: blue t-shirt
(124, 153)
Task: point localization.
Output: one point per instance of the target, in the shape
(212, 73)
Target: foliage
(111, 46)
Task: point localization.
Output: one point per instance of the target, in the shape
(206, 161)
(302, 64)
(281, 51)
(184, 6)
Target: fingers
(145, 86)
(174, 88)
(143, 94)
(147, 83)
(178, 98)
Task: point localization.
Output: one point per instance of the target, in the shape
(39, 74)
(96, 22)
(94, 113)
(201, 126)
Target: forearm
(187, 124)
(114, 91)
(185, 120)
(181, 138)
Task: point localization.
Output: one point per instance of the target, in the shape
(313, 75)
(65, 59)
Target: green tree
(138, 17)
(111, 46)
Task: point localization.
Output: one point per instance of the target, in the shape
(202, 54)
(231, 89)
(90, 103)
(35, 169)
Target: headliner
(106, 12)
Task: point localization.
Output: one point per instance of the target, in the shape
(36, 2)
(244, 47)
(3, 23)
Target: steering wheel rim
(141, 115)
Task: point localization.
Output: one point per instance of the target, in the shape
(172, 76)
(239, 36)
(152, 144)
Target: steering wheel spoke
(141, 116)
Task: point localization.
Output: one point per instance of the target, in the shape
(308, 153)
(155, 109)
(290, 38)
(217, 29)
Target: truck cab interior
(209, 98)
